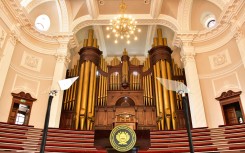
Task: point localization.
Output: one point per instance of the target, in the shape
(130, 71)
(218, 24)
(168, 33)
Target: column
(195, 96)
(240, 40)
(6, 58)
(61, 65)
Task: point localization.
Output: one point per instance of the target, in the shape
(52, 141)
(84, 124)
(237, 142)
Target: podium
(102, 142)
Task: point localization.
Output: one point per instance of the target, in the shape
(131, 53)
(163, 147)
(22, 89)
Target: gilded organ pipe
(90, 94)
(83, 105)
(79, 95)
(160, 95)
(171, 95)
(166, 96)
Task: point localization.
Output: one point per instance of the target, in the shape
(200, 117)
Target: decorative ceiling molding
(36, 48)
(149, 37)
(227, 15)
(165, 20)
(15, 9)
(34, 3)
(93, 8)
(101, 39)
(184, 14)
(215, 45)
(46, 37)
(156, 6)
(3, 16)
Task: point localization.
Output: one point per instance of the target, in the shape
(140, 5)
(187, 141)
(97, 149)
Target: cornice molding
(226, 71)
(165, 20)
(37, 76)
(227, 15)
(19, 14)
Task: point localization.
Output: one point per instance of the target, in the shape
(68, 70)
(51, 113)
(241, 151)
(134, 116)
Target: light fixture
(123, 26)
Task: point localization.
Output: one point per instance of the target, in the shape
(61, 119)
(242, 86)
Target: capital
(187, 54)
(62, 58)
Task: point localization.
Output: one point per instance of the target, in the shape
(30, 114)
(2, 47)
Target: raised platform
(17, 138)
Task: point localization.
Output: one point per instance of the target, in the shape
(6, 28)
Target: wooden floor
(225, 139)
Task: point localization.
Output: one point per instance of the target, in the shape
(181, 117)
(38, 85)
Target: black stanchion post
(45, 129)
(187, 120)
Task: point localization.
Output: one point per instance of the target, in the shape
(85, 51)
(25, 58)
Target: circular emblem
(122, 138)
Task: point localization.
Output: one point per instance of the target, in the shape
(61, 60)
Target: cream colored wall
(220, 70)
(26, 75)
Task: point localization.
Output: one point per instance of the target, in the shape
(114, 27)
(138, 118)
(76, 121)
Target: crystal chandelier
(123, 26)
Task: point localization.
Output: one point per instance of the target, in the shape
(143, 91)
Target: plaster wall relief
(31, 62)
(226, 82)
(219, 60)
(24, 83)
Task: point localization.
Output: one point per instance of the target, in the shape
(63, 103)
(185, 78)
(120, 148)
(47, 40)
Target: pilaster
(62, 61)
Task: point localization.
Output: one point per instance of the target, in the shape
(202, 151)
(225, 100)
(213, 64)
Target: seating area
(19, 138)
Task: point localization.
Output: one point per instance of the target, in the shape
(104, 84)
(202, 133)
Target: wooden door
(12, 115)
(230, 115)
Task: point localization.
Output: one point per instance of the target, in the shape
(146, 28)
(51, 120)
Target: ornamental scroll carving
(228, 94)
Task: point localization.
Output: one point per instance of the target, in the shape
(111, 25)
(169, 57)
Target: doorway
(231, 106)
(233, 113)
(21, 108)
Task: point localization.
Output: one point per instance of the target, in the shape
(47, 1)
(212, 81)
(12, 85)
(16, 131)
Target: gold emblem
(122, 138)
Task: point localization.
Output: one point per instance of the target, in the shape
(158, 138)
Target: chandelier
(123, 26)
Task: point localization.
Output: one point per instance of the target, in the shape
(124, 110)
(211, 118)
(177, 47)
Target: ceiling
(77, 16)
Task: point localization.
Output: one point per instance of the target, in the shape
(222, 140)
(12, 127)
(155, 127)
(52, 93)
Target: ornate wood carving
(228, 94)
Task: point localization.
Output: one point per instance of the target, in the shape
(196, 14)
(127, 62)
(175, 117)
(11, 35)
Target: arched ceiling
(76, 16)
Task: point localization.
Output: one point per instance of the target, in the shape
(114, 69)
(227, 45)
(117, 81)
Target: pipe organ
(123, 91)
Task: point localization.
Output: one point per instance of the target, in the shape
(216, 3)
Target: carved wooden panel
(144, 116)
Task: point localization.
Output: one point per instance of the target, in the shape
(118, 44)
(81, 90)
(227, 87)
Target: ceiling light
(123, 26)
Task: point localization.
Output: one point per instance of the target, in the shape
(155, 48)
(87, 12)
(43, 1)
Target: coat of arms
(122, 137)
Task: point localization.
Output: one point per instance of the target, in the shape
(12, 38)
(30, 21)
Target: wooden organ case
(123, 91)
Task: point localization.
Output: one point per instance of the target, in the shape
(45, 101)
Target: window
(208, 20)
(42, 22)
(211, 23)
